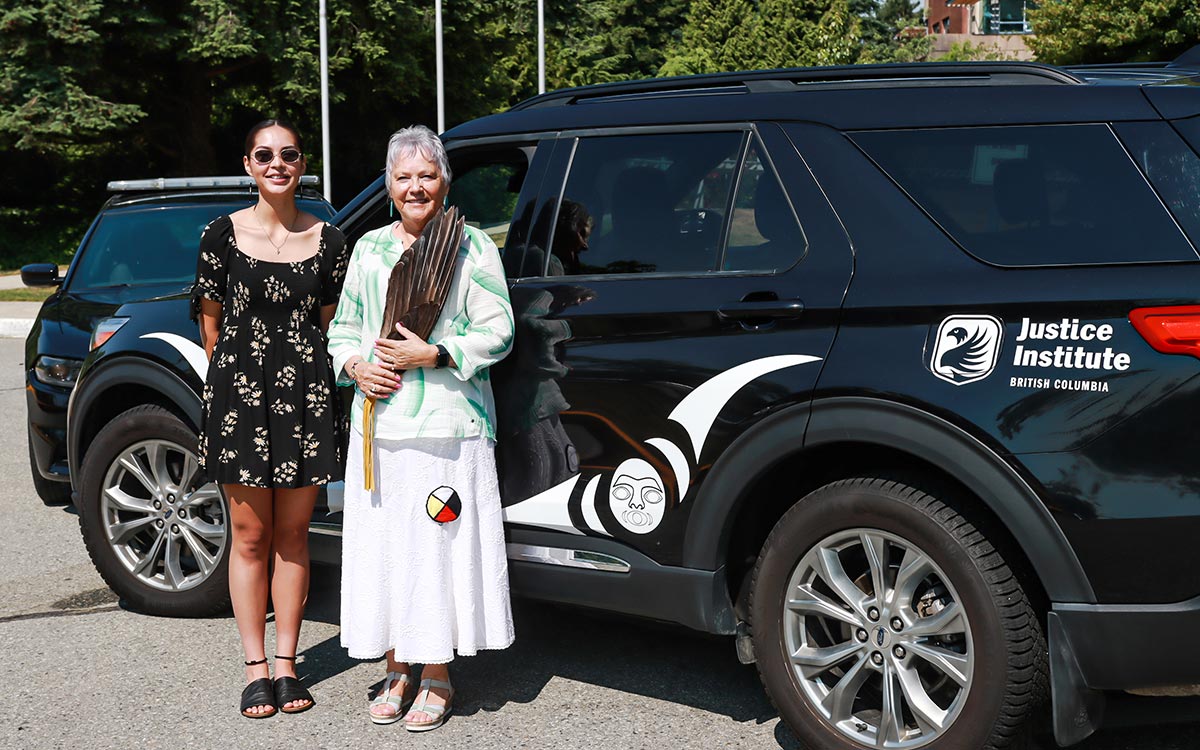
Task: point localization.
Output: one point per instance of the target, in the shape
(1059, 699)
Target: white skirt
(421, 586)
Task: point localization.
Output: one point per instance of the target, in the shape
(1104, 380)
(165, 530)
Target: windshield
(152, 246)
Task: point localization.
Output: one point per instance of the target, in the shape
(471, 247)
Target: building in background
(998, 26)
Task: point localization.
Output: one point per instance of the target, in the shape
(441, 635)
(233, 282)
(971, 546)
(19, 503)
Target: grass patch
(26, 294)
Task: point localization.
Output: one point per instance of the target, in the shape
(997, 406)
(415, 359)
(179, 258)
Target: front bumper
(46, 406)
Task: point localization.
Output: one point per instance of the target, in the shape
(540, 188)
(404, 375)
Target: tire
(50, 491)
(167, 560)
(960, 669)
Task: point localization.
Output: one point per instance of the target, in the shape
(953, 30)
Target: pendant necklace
(286, 237)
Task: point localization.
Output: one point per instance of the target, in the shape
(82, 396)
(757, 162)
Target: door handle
(761, 309)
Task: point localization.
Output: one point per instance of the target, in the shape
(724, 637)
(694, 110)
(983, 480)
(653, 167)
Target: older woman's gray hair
(418, 139)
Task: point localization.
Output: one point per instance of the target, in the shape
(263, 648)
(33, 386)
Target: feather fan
(420, 280)
(417, 290)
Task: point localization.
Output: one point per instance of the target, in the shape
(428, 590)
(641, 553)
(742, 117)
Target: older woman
(423, 562)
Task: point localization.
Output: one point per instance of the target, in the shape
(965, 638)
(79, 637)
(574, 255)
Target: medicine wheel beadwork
(443, 505)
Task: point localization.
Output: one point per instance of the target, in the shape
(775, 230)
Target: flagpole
(325, 156)
(541, 47)
(441, 93)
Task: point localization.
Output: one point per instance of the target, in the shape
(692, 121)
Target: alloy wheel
(165, 525)
(877, 639)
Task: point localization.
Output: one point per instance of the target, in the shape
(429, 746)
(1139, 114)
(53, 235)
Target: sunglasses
(266, 156)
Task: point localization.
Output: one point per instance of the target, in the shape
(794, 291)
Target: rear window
(151, 246)
(1171, 166)
(1190, 130)
(1035, 195)
(763, 232)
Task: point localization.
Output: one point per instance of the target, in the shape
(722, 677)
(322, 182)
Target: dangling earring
(391, 209)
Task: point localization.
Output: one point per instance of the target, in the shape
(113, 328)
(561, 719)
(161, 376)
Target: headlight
(104, 330)
(57, 370)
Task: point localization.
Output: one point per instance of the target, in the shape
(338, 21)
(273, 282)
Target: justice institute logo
(966, 348)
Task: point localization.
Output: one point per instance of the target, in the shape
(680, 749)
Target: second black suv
(141, 245)
(889, 372)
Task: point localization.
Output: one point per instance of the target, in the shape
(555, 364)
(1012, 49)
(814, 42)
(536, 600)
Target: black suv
(888, 371)
(141, 245)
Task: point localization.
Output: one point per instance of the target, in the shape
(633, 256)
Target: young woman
(267, 284)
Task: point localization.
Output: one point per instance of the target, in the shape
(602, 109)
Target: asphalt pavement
(80, 671)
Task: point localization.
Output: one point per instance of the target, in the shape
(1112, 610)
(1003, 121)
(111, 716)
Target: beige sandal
(439, 713)
(385, 698)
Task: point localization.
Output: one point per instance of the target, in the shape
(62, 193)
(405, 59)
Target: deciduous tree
(1083, 31)
(749, 34)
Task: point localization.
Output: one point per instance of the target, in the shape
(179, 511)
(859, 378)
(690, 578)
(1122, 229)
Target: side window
(1190, 130)
(485, 186)
(486, 191)
(645, 204)
(1172, 168)
(763, 232)
(1032, 195)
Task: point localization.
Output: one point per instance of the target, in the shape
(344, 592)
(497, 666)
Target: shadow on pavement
(635, 657)
(670, 663)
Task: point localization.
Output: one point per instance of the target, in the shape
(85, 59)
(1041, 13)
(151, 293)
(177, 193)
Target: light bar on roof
(185, 183)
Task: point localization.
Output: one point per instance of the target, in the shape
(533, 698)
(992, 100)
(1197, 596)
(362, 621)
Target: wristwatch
(443, 357)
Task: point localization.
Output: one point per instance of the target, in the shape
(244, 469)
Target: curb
(15, 328)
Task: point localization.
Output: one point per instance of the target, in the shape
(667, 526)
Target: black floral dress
(272, 416)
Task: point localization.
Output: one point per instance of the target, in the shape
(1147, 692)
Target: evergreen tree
(785, 34)
(612, 40)
(50, 98)
(716, 36)
(93, 91)
(872, 29)
(899, 13)
(884, 31)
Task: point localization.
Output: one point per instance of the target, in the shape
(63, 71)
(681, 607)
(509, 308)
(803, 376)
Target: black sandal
(289, 689)
(258, 692)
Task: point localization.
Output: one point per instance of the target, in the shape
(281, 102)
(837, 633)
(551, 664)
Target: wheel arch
(802, 448)
(113, 387)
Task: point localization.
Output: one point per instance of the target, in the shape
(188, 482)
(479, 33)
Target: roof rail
(1118, 66)
(186, 183)
(790, 79)
(1189, 59)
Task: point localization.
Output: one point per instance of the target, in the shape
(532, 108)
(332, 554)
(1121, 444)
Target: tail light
(1170, 330)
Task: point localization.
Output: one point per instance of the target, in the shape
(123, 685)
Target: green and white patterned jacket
(476, 327)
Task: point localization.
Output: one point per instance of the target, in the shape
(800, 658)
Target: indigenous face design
(417, 188)
(636, 496)
(280, 173)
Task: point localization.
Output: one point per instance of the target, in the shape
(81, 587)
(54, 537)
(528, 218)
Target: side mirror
(40, 274)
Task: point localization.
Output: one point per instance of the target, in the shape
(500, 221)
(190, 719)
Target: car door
(495, 186)
(678, 284)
